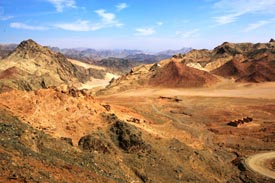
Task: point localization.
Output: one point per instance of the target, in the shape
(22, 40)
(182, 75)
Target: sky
(152, 25)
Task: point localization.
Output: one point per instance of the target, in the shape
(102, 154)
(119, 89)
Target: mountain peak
(29, 45)
(30, 49)
(29, 41)
(39, 67)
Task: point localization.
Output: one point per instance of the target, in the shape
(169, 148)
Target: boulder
(127, 137)
(93, 143)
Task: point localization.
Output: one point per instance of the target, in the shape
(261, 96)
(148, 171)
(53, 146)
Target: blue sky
(137, 24)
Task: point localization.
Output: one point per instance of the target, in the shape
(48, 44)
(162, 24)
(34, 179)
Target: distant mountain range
(97, 54)
(115, 60)
(5, 49)
(118, 61)
(89, 54)
(174, 52)
(94, 55)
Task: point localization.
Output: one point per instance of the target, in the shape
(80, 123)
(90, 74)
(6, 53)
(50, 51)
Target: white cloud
(3, 18)
(150, 30)
(187, 34)
(231, 10)
(61, 4)
(145, 31)
(107, 20)
(18, 25)
(226, 19)
(159, 23)
(106, 17)
(79, 25)
(256, 25)
(121, 6)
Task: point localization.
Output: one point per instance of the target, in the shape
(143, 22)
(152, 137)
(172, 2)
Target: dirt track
(256, 163)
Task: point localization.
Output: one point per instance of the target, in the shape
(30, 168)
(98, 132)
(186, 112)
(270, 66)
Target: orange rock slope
(56, 113)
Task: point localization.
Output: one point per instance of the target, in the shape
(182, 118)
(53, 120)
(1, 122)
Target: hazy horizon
(143, 25)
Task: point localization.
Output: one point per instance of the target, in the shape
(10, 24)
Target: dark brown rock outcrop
(93, 143)
(127, 137)
(239, 122)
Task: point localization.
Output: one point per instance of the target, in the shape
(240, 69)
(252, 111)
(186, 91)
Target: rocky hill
(124, 65)
(32, 66)
(240, 62)
(250, 63)
(244, 62)
(167, 73)
(176, 74)
(109, 58)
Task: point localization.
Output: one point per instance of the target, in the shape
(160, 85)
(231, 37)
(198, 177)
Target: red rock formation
(176, 74)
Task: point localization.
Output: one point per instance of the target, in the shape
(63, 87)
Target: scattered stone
(239, 122)
(107, 107)
(67, 140)
(134, 120)
(174, 99)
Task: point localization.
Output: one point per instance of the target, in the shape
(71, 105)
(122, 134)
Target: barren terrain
(199, 117)
(162, 122)
(171, 135)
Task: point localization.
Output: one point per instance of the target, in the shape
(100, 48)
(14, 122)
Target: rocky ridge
(244, 62)
(31, 66)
